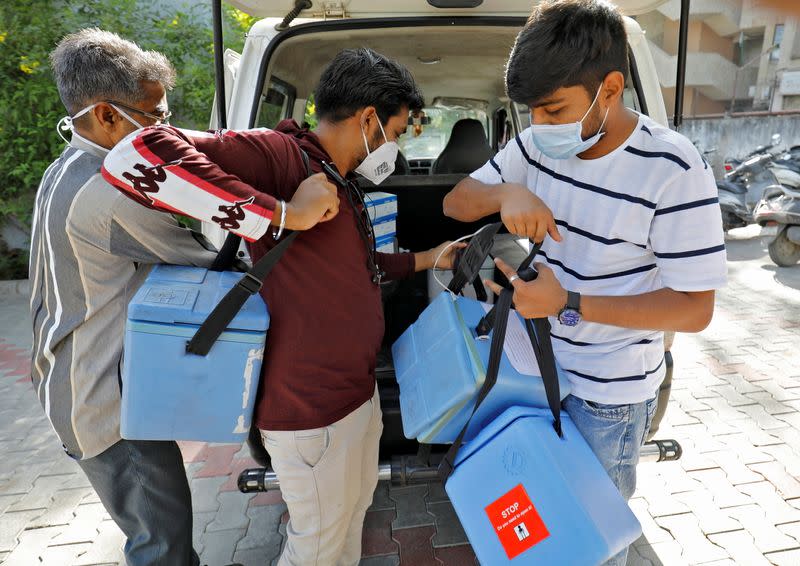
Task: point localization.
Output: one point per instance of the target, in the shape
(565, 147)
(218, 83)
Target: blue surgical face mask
(561, 141)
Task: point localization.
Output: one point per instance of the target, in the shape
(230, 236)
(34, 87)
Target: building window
(775, 55)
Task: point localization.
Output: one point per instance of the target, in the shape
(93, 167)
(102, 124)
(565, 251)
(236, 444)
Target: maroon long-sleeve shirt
(326, 314)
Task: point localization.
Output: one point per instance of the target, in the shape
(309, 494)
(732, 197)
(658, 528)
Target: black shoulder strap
(539, 334)
(233, 301)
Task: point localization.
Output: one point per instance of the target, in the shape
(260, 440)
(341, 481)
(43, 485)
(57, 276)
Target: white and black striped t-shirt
(643, 217)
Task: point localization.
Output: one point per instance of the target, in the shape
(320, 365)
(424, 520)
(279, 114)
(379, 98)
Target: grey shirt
(91, 248)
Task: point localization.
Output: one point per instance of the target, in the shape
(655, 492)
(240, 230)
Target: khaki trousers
(327, 477)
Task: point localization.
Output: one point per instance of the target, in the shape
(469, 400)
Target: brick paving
(734, 498)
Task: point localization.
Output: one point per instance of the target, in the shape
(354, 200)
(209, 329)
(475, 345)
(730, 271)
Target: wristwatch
(570, 315)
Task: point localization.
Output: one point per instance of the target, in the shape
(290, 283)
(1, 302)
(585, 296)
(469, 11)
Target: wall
(739, 135)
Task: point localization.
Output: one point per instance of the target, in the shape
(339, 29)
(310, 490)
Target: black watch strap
(574, 301)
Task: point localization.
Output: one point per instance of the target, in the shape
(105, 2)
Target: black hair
(566, 43)
(357, 78)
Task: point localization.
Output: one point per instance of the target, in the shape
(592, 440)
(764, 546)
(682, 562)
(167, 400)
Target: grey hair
(93, 65)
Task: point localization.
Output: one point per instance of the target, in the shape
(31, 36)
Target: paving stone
(778, 392)
(106, 548)
(740, 545)
(65, 554)
(7, 501)
(219, 546)
(238, 465)
(231, 514)
(786, 456)
(204, 493)
(755, 434)
(636, 559)
(272, 497)
(380, 499)
(675, 478)
(744, 449)
(83, 526)
(13, 525)
(263, 530)
(218, 461)
(686, 401)
(776, 508)
(769, 403)
(377, 535)
(461, 555)
(415, 546)
(710, 517)
(436, 493)
(735, 470)
(254, 556)
(61, 510)
(775, 472)
(696, 547)
(765, 535)
(199, 523)
(449, 531)
(392, 560)
(733, 397)
(785, 558)
(667, 553)
(720, 408)
(652, 532)
(792, 530)
(32, 544)
(41, 496)
(411, 508)
(660, 501)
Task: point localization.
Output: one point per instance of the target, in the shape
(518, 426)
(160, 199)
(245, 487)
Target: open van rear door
(230, 60)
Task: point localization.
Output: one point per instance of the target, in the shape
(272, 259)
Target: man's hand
(539, 298)
(425, 260)
(526, 215)
(315, 201)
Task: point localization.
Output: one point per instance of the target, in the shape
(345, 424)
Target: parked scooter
(779, 212)
(741, 189)
(732, 163)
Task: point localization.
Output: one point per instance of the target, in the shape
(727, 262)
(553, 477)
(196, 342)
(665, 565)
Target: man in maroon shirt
(317, 407)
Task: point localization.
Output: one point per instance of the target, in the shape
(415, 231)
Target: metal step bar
(405, 470)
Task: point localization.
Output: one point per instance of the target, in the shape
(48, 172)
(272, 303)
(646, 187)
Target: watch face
(569, 317)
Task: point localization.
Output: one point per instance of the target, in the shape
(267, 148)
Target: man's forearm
(664, 309)
(472, 200)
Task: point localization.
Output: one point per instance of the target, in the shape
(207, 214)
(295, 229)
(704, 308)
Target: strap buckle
(250, 283)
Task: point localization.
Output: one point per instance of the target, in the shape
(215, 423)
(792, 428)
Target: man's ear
(106, 116)
(367, 115)
(613, 87)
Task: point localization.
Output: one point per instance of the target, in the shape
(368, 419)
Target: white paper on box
(386, 246)
(381, 205)
(518, 347)
(385, 229)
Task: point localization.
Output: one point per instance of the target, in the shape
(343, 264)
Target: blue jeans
(143, 486)
(615, 433)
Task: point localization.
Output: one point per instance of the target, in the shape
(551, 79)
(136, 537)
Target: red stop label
(516, 522)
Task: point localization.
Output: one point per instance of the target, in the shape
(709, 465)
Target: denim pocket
(651, 405)
(604, 411)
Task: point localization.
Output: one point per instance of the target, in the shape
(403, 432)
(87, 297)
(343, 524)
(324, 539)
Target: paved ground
(734, 498)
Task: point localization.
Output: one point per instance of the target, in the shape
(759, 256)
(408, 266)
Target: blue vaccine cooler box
(168, 394)
(440, 365)
(547, 500)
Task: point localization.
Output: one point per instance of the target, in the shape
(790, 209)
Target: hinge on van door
(334, 9)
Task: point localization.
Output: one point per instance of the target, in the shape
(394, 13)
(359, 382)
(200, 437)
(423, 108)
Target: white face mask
(561, 141)
(379, 164)
(66, 123)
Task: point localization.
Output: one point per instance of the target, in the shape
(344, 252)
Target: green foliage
(29, 102)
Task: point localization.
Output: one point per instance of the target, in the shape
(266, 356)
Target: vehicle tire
(783, 251)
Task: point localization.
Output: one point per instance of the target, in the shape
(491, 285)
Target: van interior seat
(467, 150)
(401, 166)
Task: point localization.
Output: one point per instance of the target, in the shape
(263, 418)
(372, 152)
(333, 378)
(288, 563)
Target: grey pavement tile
(84, 525)
(766, 537)
(61, 510)
(756, 435)
(719, 410)
(741, 547)
(733, 397)
(636, 559)
(651, 531)
(764, 419)
(660, 502)
(411, 508)
(380, 499)
(264, 529)
(785, 558)
(775, 473)
(13, 525)
(735, 470)
(41, 496)
(199, 523)
(391, 560)
(204, 493)
(792, 530)
(710, 517)
(63, 555)
(667, 553)
(219, 546)
(106, 547)
(7, 501)
(769, 403)
(436, 493)
(32, 545)
(696, 547)
(231, 513)
(254, 556)
(449, 531)
(777, 509)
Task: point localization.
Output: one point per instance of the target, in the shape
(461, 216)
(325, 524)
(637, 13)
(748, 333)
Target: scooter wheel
(783, 251)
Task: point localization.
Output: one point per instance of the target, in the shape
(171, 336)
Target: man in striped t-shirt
(635, 242)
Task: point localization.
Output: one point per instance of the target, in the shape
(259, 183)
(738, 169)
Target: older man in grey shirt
(90, 251)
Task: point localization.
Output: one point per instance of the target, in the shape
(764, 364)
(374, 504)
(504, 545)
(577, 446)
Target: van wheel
(783, 251)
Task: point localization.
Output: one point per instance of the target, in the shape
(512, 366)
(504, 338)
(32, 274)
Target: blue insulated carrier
(169, 394)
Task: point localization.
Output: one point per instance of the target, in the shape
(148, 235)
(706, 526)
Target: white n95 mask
(378, 164)
(561, 141)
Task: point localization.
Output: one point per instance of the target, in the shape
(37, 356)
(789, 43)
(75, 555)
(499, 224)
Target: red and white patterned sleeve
(161, 167)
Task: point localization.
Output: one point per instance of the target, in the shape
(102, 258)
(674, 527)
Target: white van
(456, 51)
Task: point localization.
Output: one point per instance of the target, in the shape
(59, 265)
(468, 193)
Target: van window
(276, 103)
(434, 137)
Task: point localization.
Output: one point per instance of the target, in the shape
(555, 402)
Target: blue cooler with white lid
(169, 394)
(527, 497)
